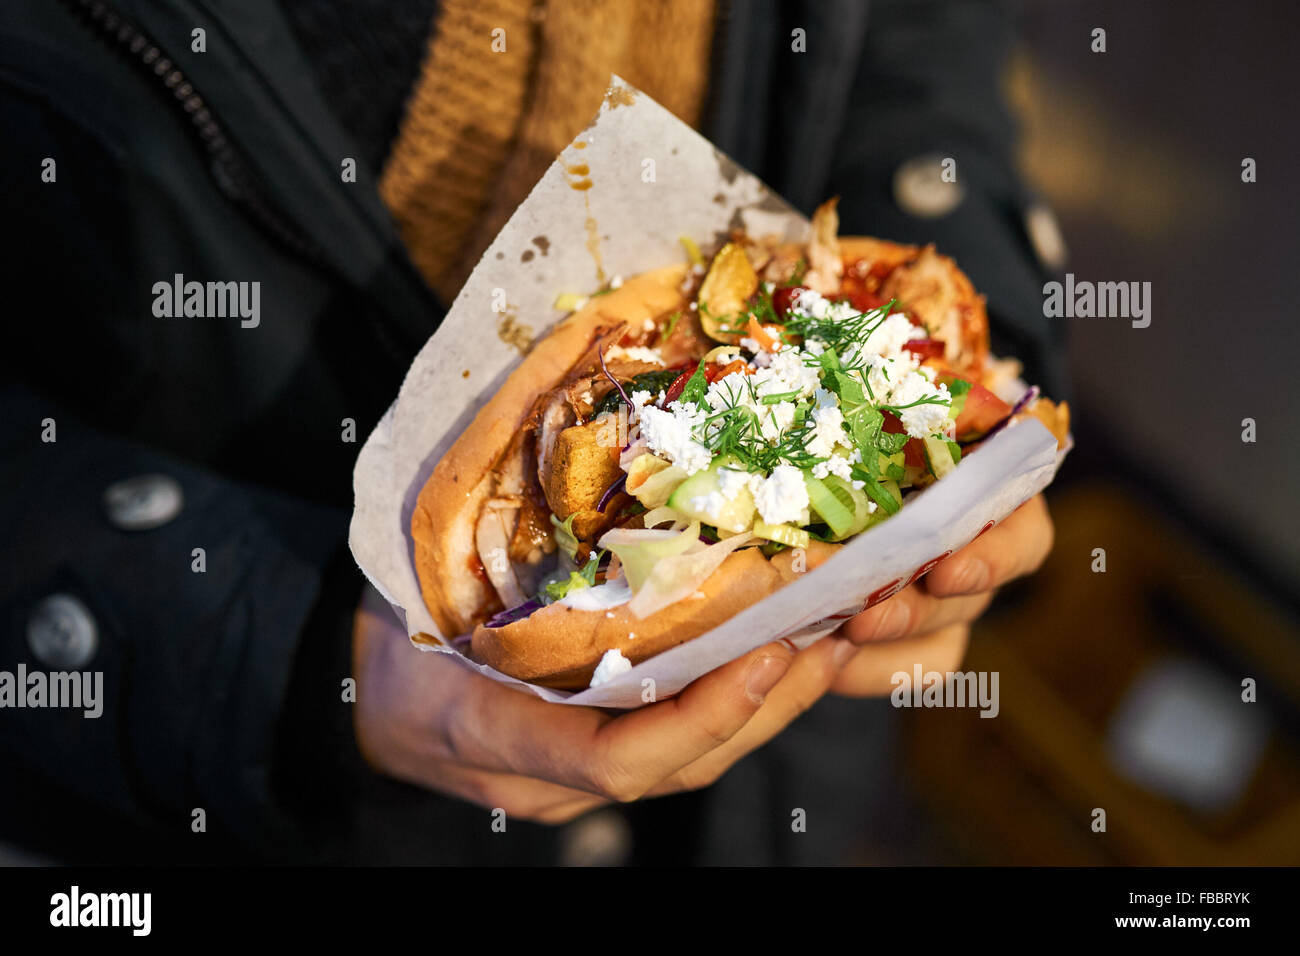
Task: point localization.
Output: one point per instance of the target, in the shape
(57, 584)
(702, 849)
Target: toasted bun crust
(448, 506)
(560, 646)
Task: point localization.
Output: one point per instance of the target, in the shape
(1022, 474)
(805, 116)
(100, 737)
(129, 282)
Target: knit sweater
(504, 86)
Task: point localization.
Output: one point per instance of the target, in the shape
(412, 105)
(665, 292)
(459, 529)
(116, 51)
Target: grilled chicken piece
(687, 342)
(783, 265)
(932, 288)
(492, 540)
(586, 393)
(825, 266)
(589, 364)
(585, 464)
(557, 415)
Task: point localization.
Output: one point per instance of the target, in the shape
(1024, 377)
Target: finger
(493, 727)
(1014, 548)
(520, 798)
(870, 672)
(913, 611)
(811, 674)
(646, 746)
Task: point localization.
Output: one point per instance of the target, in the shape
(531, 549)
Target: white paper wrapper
(618, 205)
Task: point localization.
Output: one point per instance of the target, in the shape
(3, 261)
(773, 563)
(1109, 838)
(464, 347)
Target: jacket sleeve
(196, 656)
(929, 82)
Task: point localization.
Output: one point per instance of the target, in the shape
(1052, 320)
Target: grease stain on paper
(581, 174)
(580, 179)
(617, 96)
(513, 332)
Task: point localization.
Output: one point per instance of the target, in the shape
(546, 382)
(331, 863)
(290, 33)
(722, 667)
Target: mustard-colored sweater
(505, 85)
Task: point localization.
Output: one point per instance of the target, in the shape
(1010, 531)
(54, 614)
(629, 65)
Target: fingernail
(973, 576)
(844, 650)
(763, 675)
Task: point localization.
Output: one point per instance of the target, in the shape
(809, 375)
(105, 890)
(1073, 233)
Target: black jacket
(215, 696)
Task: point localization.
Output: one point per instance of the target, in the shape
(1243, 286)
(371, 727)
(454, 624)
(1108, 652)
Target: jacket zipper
(232, 175)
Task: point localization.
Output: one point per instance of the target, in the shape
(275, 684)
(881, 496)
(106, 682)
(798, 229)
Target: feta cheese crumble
(828, 432)
(667, 431)
(612, 663)
(926, 419)
(782, 497)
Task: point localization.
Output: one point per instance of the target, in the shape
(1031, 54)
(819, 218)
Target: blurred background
(1122, 690)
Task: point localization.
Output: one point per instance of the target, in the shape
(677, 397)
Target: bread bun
(560, 646)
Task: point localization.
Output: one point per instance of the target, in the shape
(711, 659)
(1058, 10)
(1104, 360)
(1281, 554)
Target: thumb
(666, 737)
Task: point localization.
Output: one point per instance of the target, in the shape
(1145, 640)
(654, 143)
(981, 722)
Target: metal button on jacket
(143, 502)
(603, 838)
(1045, 236)
(919, 188)
(61, 632)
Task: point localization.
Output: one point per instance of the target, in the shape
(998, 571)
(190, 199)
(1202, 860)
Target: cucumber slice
(895, 494)
(700, 498)
(783, 533)
(885, 493)
(856, 498)
(939, 456)
(837, 515)
(891, 466)
(958, 403)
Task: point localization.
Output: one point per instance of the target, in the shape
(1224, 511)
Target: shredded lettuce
(565, 539)
(577, 580)
(640, 549)
(557, 590)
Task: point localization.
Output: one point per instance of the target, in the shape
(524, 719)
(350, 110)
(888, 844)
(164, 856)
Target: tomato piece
(861, 287)
(678, 386)
(783, 298)
(863, 301)
(981, 412)
(712, 372)
(914, 450)
(925, 348)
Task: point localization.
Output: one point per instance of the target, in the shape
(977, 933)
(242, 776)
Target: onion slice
(679, 576)
(610, 492)
(605, 368)
(516, 613)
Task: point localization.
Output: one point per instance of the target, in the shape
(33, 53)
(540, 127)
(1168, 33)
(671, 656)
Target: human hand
(929, 622)
(429, 720)
(426, 719)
